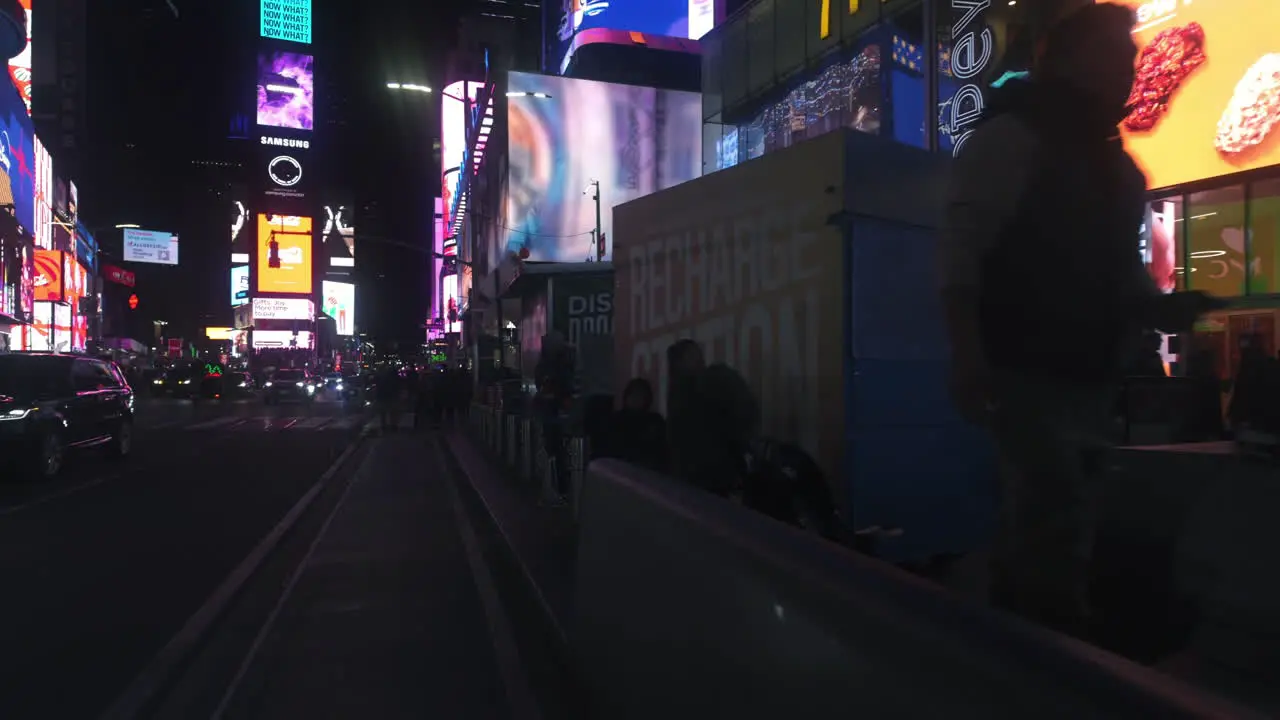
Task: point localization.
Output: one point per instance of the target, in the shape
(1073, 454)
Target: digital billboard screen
(20, 64)
(239, 285)
(48, 276)
(283, 309)
(338, 301)
(658, 17)
(285, 90)
(339, 236)
(1204, 102)
(452, 323)
(640, 140)
(17, 157)
(282, 340)
(288, 20)
(284, 254)
(241, 228)
(150, 246)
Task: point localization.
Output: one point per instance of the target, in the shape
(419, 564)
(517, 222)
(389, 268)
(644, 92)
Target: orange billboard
(48, 275)
(284, 254)
(1206, 101)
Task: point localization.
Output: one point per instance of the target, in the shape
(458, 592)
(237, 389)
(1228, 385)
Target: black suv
(52, 403)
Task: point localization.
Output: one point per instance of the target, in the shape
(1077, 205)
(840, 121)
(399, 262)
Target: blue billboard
(17, 157)
(654, 17)
(288, 20)
(86, 249)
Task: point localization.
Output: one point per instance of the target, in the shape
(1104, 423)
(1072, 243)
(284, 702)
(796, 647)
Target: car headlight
(157, 382)
(267, 384)
(339, 386)
(16, 414)
(244, 384)
(301, 384)
(185, 382)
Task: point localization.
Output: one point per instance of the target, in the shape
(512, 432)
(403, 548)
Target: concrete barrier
(689, 606)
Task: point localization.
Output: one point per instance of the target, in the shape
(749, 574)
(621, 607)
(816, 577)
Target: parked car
(51, 404)
(289, 384)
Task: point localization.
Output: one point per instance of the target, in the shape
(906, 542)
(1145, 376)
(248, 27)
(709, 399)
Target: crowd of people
(436, 396)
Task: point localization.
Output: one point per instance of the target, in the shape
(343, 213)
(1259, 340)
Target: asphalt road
(102, 567)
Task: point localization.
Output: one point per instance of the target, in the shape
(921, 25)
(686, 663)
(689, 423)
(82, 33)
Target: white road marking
(152, 680)
(211, 424)
(312, 423)
(56, 495)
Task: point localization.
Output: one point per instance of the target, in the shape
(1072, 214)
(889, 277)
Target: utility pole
(596, 237)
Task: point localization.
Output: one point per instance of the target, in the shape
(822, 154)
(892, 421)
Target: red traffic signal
(133, 302)
(273, 254)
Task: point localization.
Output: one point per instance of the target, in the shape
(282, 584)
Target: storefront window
(1264, 237)
(1161, 243)
(1216, 242)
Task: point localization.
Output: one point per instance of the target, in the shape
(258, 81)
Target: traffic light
(273, 253)
(133, 302)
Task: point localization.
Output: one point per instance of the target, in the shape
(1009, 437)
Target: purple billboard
(285, 90)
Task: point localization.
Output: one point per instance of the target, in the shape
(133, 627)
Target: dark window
(32, 377)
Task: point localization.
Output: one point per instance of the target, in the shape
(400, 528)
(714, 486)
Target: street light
(411, 87)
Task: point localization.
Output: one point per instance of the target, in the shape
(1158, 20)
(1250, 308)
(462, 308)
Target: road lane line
(291, 423)
(265, 631)
(520, 698)
(73, 489)
(211, 424)
(313, 423)
(155, 678)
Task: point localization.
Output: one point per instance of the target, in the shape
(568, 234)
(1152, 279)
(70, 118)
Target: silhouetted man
(1045, 294)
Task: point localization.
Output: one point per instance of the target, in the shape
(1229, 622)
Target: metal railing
(519, 443)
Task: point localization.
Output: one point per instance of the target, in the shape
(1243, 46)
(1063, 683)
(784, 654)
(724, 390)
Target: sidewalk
(385, 620)
(542, 539)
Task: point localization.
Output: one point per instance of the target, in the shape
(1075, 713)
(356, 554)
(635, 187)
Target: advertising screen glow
(239, 285)
(285, 90)
(451, 322)
(286, 20)
(150, 246)
(283, 340)
(283, 309)
(48, 276)
(631, 147)
(1222, 114)
(339, 236)
(284, 254)
(20, 64)
(17, 161)
(338, 301)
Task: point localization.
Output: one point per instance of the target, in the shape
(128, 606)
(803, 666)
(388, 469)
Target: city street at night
(105, 565)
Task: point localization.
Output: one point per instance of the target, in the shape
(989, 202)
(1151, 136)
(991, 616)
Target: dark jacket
(638, 437)
(1062, 288)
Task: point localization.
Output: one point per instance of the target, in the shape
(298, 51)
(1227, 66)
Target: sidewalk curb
(526, 578)
(150, 684)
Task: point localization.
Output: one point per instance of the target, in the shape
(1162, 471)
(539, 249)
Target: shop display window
(1216, 247)
(1264, 237)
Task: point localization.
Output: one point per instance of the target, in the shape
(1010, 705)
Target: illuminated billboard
(283, 339)
(658, 17)
(452, 321)
(283, 309)
(288, 20)
(17, 141)
(284, 254)
(1216, 112)
(150, 246)
(640, 140)
(42, 206)
(338, 301)
(20, 64)
(239, 285)
(48, 276)
(285, 91)
(453, 139)
(339, 236)
(241, 229)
